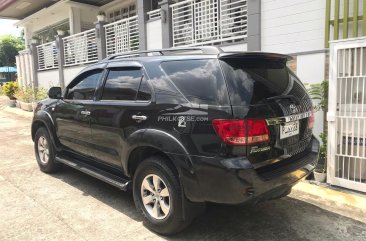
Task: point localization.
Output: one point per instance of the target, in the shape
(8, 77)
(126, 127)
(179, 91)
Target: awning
(20, 9)
(8, 69)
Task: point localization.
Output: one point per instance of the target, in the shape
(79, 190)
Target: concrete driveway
(72, 206)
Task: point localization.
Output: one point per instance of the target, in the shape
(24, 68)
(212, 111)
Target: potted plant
(34, 40)
(319, 92)
(24, 97)
(320, 172)
(9, 90)
(101, 16)
(60, 32)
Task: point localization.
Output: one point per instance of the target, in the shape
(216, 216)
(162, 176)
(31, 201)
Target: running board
(95, 172)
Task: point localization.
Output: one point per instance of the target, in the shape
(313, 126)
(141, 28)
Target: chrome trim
(285, 119)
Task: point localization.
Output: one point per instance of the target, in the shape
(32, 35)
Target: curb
(347, 204)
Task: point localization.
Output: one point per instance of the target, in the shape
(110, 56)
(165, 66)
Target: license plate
(289, 129)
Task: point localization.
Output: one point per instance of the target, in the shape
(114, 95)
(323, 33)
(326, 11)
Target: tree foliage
(9, 48)
(319, 92)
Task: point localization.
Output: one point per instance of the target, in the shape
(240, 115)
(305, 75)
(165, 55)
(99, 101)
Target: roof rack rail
(204, 49)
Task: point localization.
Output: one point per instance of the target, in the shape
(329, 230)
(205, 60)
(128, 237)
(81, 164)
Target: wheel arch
(44, 120)
(140, 153)
(144, 143)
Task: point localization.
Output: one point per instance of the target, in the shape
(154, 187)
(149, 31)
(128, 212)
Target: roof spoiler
(265, 55)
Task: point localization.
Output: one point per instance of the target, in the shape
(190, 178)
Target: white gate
(347, 114)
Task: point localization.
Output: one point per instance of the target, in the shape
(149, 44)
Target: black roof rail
(204, 49)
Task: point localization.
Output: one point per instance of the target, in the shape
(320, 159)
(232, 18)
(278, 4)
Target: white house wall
(48, 78)
(88, 16)
(310, 69)
(235, 47)
(154, 35)
(71, 72)
(41, 21)
(291, 26)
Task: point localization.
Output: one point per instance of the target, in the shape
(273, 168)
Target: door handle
(139, 118)
(85, 112)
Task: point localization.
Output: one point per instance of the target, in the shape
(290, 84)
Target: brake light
(311, 119)
(241, 132)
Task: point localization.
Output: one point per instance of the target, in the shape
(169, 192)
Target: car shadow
(283, 219)
(119, 200)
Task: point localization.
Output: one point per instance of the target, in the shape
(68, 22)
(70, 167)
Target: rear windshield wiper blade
(291, 97)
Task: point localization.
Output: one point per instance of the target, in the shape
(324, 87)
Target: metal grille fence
(154, 14)
(47, 56)
(80, 48)
(122, 36)
(201, 22)
(348, 148)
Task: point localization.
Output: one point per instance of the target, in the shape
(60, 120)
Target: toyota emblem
(293, 108)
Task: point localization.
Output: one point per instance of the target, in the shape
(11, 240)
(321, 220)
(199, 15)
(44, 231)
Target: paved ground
(73, 206)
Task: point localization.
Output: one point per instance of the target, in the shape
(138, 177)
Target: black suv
(182, 127)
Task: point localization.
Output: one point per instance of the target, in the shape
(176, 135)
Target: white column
(19, 69)
(75, 20)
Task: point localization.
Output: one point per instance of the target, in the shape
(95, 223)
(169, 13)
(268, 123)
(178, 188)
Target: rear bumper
(235, 181)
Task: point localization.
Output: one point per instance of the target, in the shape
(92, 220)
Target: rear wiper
(291, 97)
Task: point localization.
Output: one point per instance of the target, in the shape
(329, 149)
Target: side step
(95, 172)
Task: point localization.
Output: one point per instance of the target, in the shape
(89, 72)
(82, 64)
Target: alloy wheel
(43, 150)
(155, 196)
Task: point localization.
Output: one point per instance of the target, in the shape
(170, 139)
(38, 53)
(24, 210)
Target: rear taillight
(242, 132)
(311, 120)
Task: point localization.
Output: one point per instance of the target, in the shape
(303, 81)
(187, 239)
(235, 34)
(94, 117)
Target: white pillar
(75, 20)
(19, 73)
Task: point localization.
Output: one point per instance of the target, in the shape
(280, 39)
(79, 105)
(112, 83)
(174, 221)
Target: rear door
(122, 108)
(262, 87)
(72, 113)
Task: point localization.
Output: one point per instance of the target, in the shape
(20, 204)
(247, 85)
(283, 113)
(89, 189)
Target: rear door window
(252, 80)
(200, 81)
(122, 84)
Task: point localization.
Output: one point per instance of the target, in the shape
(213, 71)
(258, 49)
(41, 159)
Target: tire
(167, 223)
(45, 152)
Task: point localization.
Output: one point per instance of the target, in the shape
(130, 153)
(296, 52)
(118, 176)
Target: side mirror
(54, 93)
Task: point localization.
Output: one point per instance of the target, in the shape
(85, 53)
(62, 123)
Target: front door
(121, 109)
(72, 113)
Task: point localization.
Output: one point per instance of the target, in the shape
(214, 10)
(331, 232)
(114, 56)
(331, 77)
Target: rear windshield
(252, 80)
(200, 81)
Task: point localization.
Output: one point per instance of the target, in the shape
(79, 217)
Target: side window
(200, 81)
(122, 84)
(84, 87)
(144, 90)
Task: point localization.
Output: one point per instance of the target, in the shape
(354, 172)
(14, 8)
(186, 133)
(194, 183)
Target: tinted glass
(144, 92)
(251, 80)
(200, 81)
(122, 84)
(84, 87)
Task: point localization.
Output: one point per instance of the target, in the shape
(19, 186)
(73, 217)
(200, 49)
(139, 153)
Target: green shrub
(102, 13)
(25, 94)
(40, 94)
(319, 92)
(28, 94)
(10, 89)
